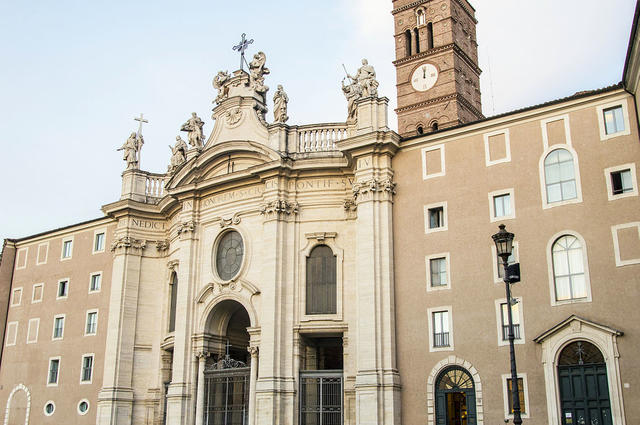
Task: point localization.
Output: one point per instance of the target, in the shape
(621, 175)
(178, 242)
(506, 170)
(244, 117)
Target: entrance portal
(227, 374)
(584, 385)
(455, 398)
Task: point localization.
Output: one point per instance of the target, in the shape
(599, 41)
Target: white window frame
(44, 408)
(26, 257)
(93, 364)
(607, 175)
(104, 241)
(585, 259)
(33, 293)
(616, 243)
(36, 322)
(506, 395)
(59, 359)
(86, 322)
(545, 134)
(91, 275)
(487, 147)
(13, 297)
(492, 207)
(445, 220)
(430, 312)
(53, 330)
(501, 342)
(543, 180)
(428, 259)
(625, 114)
(10, 342)
(62, 297)
(88, 406)
(494, 256)
(64, 240)
(46, 255)
(423, 153)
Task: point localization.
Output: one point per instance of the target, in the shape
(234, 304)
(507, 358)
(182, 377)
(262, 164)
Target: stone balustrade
(320, 137)
(154, 186)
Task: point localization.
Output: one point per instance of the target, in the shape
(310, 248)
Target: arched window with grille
(173, 298)
(420, 17)
(570, 278)
(560, 176)
(321, 281)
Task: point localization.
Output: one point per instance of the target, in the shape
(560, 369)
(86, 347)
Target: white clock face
(424, 77)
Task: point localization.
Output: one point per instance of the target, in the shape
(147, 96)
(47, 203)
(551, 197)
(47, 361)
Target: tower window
(417, 39)
(434, 126)
(407, 42)
(420, 17)
(420, 130)
(429, 35)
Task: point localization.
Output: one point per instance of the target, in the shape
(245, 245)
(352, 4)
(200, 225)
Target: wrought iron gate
(227, 393)
(321, 397)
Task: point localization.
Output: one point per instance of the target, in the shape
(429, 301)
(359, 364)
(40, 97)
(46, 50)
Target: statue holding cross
(133, 145)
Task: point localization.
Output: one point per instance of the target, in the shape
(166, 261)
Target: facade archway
(18, 406)
(455, 397)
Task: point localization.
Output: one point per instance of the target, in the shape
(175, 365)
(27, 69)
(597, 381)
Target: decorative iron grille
(227, 392)
(321, 398)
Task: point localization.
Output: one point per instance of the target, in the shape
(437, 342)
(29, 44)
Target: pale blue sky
(75, 73)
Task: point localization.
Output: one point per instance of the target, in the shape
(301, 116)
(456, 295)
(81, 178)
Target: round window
(83, 407)
(49, 408)
(229, 253)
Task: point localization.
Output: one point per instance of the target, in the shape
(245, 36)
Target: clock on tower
(438, 78)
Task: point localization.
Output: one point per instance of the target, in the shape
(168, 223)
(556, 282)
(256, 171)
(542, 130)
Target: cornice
(441, 49)
(420, 2)
(78, 227)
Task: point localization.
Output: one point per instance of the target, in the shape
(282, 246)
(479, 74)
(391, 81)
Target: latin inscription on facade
(139, 223)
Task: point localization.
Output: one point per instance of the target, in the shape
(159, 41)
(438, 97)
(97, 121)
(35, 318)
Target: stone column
(252, 384)
(202, 360)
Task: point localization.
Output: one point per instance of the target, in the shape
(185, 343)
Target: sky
(74, 74)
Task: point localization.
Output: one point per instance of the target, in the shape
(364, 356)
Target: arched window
(407, 42)
(173, 297)
(321, 281)
(429, 35)
(568, 269)
(434, 126)
(559, 174)
(420, 18)
(455, 397)
(417, 35)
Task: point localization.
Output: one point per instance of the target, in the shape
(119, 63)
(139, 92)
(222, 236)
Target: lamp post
(504, 247)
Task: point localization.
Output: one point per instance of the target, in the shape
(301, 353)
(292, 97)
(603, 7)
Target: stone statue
(280, 100)
(193, 127)
(352, 92)
(131, 150)
(366, 79)
(178, 154)
(219, 83)
(257, 71)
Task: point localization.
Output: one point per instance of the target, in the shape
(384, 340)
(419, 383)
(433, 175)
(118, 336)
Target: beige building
(342, 273)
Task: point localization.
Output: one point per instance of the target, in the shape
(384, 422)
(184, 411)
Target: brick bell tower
(438, 78)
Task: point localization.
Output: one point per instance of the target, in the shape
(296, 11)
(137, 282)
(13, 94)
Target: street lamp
(504, 247)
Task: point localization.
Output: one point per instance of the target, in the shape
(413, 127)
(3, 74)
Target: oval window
(49, 408)
(229, 254)
(83, 407)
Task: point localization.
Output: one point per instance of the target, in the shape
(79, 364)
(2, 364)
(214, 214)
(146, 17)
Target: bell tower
(438, 78)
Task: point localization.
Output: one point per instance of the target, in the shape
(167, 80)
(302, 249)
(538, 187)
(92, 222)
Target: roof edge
(60, 229)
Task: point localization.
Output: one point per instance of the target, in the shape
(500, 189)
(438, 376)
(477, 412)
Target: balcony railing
(155, 185)
(505, 332)
(441, 339)
(320, 137)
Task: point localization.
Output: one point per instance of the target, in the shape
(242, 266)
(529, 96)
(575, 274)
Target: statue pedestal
(134, 185)
(372, 115)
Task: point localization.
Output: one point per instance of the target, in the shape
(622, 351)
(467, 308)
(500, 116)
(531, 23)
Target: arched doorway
(584, 385)
(228, 370)
(455, 397)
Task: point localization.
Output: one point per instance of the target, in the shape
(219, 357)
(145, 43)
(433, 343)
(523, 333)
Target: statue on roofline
(131, 150)
(280, 100)
(193, 127)
(352, 92)
(366, 79)
(219, 83)
(257, 71)
(178, 154)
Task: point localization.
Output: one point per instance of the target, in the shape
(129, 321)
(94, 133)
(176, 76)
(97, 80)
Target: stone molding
(26, 415)
(321, 236)
(171, 265)
(253, 350)
(125, 242)
(187, 227)
(226, 222)
(279, 208)
(162, 246)
(365, 190)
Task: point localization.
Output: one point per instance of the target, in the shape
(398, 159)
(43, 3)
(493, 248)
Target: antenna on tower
(493, 100)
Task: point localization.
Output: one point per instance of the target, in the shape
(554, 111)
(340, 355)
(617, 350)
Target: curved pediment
(224, 159)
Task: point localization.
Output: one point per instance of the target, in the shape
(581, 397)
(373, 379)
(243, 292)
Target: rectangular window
(21, 258)
(32, 331)
(500, 265)
(42, 253)
(441, 329)
(54, 370)
(94, 282)
(502, 205)
(613, 120)
(497, 148)
(16, 297)
(12, 333)
(436, 217)
(36, 295)
(67, 248)
(438, 268)
(98, 243)
(63, 288)
(433, 164)
(87, 368)
(621, 182)
(58, 327)
(92, 323)
(515, 316)
(523, 404)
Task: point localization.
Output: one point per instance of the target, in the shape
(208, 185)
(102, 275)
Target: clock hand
(424, 72)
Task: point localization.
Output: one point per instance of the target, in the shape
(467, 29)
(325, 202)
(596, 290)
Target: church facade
(343, 273)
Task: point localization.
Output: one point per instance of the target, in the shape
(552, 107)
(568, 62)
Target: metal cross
(141, 120)
(228, 345)
(244, 44)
